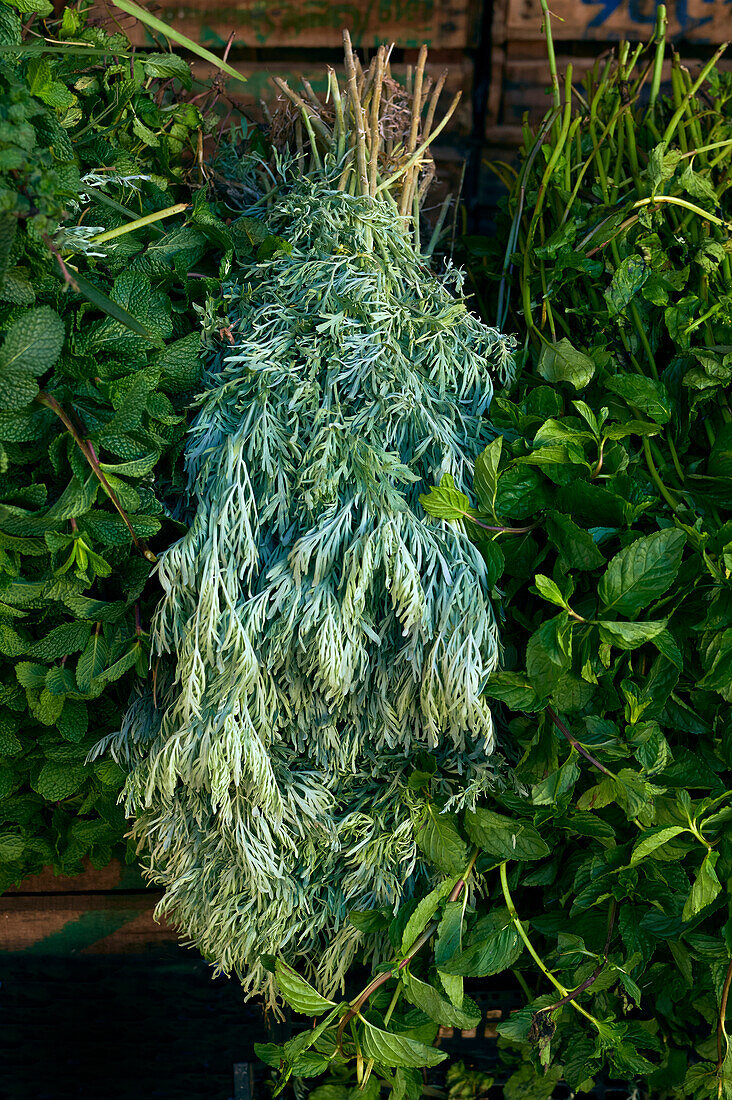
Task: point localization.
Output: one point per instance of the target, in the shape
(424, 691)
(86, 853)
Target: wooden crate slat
(66, 924)
(115, 876)
(577, 20)
(318, 24)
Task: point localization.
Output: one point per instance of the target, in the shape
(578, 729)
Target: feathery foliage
(316, 631)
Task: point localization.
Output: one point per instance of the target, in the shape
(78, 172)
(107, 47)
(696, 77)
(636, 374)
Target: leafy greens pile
(599, 878)
(99, 346)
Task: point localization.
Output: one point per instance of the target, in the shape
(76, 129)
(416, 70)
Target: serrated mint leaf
(630, 635)
(576, 546)
(646, 394)
(434, 1005)
(445, 502)
(388, 1049)
(437, 835)
(58, 780)
(514, 689)
(652, 839)
(503, 837)
(494, 950)
(561, 362)
(298, 993)
(485, 481)
(33, 343)
(641, 572)
(705, 888)
(423, 914)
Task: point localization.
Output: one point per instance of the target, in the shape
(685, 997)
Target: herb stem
(721, 1028)
(575, 743)
(86, 448)
(358, 1002)
(567, 996)
(139, 223)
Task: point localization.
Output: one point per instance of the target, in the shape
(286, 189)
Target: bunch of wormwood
(602, 508)
(98, 349)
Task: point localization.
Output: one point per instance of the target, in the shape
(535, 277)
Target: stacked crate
(582, 30)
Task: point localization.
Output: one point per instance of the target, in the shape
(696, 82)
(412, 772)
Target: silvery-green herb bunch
(317, 631)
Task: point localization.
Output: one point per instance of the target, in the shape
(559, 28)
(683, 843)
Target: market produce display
(597, 879)
(437, 688)
(100, 346)
(316, 633)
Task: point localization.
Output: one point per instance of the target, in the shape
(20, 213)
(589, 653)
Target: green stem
(661, 25)
(656, 477)
(687, 206)
(89, 454)
(532, 951)
(139, 223)
(679, 112)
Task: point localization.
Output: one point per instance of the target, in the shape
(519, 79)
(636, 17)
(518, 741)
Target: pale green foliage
(316, 629)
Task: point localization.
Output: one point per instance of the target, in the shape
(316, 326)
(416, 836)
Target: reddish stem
(575, 743)
(87, 449)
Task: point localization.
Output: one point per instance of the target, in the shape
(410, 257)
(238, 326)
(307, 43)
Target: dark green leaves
(641, 572)
(438, 836)
(504, 838)
(434, 1005)
(561, 362)
(298, 993)
(445, 501)
(389, 1049)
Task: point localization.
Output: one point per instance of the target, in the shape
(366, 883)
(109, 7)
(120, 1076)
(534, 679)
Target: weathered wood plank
(692, 20)
(447, 24)
(115, 876)
(67, 924)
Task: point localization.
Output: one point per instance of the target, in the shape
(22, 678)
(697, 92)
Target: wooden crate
(609, 20)
(318, 24)
(582, 31)
(108, 911)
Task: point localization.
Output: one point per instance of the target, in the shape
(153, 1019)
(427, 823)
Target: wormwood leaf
(427, 998)
(298, 993)
(388, 1049)
(503, 837)
(641, 572)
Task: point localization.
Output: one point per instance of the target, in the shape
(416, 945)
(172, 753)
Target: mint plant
(109, 247)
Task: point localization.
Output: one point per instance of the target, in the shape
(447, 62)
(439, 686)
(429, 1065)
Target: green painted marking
(87, 929)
